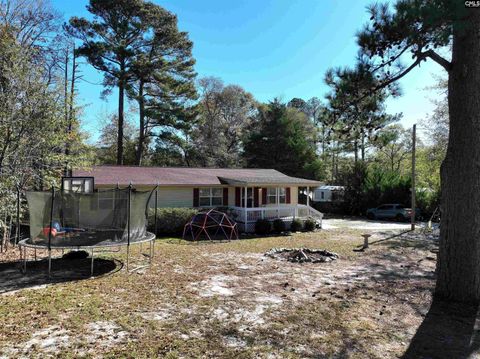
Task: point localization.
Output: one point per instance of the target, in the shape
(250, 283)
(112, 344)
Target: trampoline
(74, 221)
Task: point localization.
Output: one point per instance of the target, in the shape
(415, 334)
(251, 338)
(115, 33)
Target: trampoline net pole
(128, 223)
(49, 262)
(17, 237)
(50, 234)
(155, 222)
(51, 220)
(91, 266)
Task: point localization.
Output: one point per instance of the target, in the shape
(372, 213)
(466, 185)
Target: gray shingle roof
(188, 176)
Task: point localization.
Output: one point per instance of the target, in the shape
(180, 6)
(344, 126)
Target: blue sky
(272, 48)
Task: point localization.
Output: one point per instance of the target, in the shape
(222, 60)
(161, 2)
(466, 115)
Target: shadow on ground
(449, 330)
(63, 270)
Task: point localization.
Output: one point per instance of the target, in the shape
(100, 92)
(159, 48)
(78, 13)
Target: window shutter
(196, 197)
(225, 196)
(264, 196)
(287, 194)
(237, 196)
(256, 195)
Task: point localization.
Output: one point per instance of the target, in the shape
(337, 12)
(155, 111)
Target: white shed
(325, 193)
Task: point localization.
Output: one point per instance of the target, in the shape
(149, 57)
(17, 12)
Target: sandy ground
(365, 224)
(228, 300)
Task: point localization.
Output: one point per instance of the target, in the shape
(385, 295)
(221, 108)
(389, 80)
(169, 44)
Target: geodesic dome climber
(70, 220)
(210, 224)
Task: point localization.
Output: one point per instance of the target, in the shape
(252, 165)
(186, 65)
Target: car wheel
(400, 218)
(370, 216)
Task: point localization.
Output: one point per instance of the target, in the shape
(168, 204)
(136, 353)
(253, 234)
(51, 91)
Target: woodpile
(302, 255)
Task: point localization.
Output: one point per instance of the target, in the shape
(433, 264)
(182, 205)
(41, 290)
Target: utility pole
(414, 137)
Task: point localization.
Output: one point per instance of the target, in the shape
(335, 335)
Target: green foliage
(357, 113)
(309, 225)
(170, 221)
(370, 187)
(145, 56)
(296, 225)
(263, 226)
(427, 202)
(224, 112)
(279, 226)
(282, 138)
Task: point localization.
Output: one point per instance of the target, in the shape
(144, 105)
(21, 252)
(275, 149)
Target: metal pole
(91, 266)
(128, 223)
(17, 237)
(50, 233)
(49, 262)
(414, 135)
(155, 224)
(24, 259)
(245, 210)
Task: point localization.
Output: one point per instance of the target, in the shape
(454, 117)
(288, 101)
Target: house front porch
(247, 217)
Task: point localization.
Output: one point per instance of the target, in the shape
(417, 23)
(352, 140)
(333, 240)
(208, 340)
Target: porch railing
(287, 213)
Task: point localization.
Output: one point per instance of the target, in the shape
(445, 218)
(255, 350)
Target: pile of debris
(302, 255)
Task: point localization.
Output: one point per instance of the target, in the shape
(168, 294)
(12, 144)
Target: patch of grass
(166, 313)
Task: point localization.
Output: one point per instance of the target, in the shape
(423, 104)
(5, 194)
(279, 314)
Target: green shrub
(170, 221)
(296, 225)
(309, 225)
(263, 226)
(279, 226)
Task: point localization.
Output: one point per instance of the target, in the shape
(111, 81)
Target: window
(322, 195)
(277, 195)
(249, 197)
(282, 195)
(210, 197)
(271, 196)
(385, 207)
(78, 184)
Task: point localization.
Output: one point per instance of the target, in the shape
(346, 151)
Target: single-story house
(249, 194)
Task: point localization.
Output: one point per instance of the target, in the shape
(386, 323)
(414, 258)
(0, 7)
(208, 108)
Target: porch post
(245, 209)
(308, 196)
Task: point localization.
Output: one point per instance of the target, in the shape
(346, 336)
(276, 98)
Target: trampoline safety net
(107, 217)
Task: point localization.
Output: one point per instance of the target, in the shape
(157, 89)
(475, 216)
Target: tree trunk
(355, 149)
(458, 266)
(121, 95)
(362, 147)
(141, 134)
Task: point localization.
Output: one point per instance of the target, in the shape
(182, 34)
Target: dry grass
(228, 300)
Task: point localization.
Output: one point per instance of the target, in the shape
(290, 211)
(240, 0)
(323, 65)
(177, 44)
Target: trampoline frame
(23, 245)
(149, 237)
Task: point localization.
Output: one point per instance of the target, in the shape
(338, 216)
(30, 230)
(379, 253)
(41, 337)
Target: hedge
(170, 221)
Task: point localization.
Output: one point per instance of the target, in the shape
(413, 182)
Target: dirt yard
(225, 300)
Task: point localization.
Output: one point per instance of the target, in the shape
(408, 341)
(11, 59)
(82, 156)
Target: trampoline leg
(151, 254)
(35, 254)
(128, 256)
(24, 259)
(91, 266)
(49, 262)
